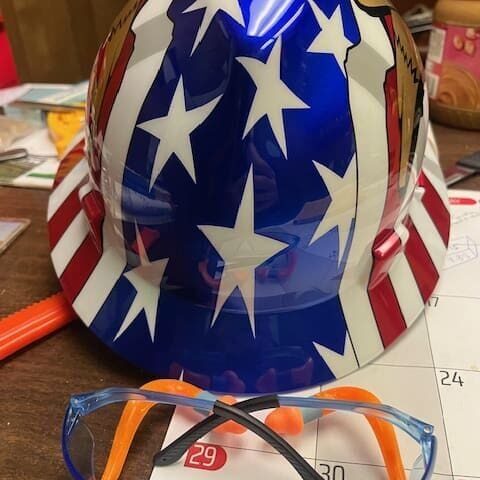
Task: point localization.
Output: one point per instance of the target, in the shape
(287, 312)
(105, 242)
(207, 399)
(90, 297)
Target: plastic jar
(453, 64)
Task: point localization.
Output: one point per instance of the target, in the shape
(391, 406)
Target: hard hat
(255, 210)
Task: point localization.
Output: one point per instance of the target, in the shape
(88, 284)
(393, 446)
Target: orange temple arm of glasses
(134, 413)
(289, 420)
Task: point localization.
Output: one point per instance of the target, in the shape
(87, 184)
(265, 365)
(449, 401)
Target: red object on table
(33, 323)
(8, 70)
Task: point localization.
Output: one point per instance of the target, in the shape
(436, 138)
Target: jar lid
(459, 12)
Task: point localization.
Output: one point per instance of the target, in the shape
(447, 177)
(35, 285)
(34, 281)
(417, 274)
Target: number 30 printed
(327, 472)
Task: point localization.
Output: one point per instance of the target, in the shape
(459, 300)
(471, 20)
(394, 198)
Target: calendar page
(432, 373)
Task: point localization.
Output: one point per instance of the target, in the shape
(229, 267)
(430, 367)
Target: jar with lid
(453, 64)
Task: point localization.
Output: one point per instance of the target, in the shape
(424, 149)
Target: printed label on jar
(453, 66)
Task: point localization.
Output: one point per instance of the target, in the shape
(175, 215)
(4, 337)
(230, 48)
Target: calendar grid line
(469, 297)
(427, 367)
(439, 395)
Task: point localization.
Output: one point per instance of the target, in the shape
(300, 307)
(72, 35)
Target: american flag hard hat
(257, 204)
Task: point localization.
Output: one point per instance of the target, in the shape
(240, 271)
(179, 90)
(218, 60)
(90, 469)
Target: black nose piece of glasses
(239, 413)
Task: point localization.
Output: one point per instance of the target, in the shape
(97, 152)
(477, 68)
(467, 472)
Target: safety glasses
(407, 446)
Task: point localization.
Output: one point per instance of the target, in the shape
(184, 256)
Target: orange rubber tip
(289, 421)
(33, 323)
(230, 426)
(286, 421)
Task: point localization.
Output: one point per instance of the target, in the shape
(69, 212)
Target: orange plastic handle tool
(289, 420)
(33, 323)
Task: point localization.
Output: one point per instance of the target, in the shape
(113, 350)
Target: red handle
(34, 323)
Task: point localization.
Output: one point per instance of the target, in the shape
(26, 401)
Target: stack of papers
(50, 97)
(36, 171)
(28, 102)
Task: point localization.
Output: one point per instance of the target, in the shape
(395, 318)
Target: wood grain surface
(48, 33)
(35, 384)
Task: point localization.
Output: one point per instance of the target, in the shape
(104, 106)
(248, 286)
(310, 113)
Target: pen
(17, 154)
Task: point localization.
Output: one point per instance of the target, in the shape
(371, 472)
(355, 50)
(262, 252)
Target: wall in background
(404, 5)
(56, 40)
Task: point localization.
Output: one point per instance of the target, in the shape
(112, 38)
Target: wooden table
(35, 384)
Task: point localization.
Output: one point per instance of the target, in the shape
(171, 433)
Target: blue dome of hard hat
(250, 160)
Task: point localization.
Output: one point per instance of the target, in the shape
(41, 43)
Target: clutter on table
(453, 65)
(33, 137)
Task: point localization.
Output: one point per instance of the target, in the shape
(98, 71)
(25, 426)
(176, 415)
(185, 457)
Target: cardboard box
(57, 40)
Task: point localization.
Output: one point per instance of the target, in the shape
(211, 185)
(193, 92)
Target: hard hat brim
(91, 271)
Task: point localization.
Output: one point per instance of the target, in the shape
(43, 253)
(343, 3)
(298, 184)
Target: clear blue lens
(418, 470)
(81, 451)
